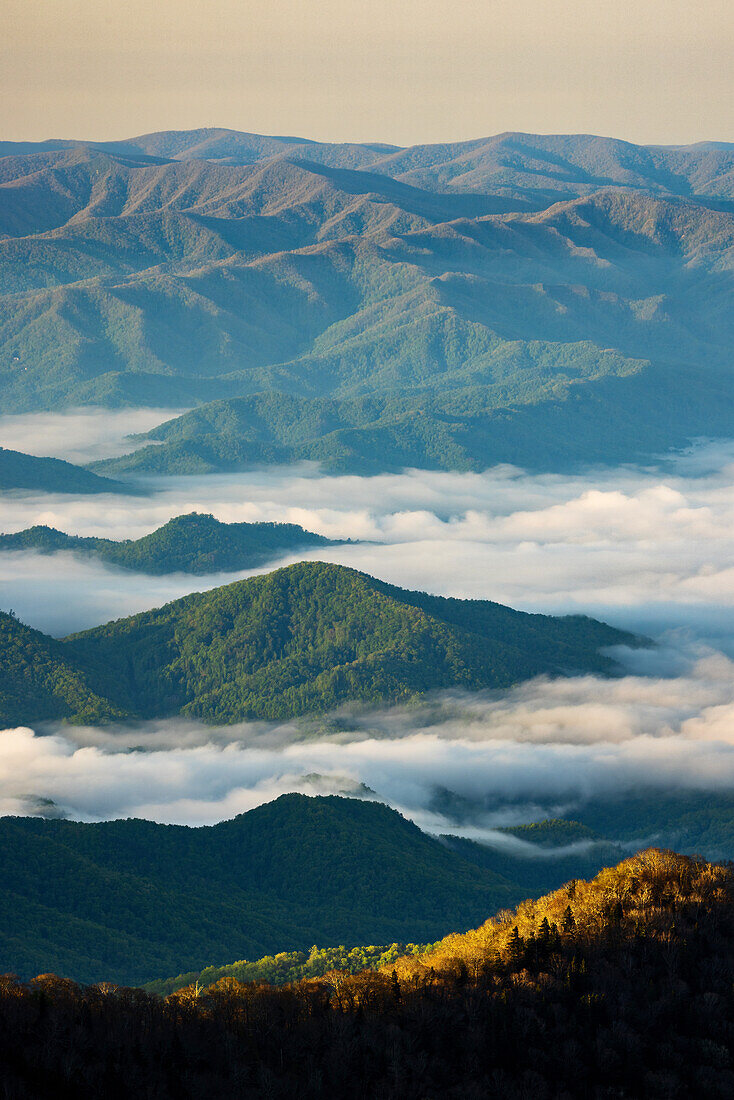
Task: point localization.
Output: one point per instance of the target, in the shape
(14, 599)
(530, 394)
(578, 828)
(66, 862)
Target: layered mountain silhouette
(303, 639)
(618, 986)
(133, 900)
(477, 289)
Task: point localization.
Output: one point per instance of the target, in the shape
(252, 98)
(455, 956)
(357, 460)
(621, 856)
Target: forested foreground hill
(194, 543)
(466, 286)
(620, 987)
(132, 900)
(311, 636)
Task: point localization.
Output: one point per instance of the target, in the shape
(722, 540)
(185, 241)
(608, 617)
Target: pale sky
(399, 71)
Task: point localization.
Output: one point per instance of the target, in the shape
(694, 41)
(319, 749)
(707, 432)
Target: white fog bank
(541, 749)
(79, 435)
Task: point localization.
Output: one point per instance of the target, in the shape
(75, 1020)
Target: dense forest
(566, 427)
(134, 901)
(620, 987)
(300, 640)
(41, 681)
(292, 966)
(194, 543)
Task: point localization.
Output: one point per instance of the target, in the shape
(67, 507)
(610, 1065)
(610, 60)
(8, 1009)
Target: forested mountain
(194, 543)
(554, 852)
(302, 639)
(617, 987)
(131, 900)
(51, 475)
(473, 288)
(459, 430)
(311, 636)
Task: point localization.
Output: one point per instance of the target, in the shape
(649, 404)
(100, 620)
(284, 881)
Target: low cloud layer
(647, 549)
(79, 435)
(541, 749)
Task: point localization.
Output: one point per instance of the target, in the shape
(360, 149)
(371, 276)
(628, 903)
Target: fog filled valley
(646, 549)
(366, 570)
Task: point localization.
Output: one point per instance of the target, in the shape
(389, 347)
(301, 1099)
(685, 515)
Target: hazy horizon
(652, 74)
(112, 139)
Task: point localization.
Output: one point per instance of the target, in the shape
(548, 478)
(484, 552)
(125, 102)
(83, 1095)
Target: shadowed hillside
(129, 900)
(51, 475)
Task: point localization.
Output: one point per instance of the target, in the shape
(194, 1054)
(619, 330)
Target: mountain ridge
(20, 471)
(276, 877)
(318, 273)
(195, 543)
(305, 638)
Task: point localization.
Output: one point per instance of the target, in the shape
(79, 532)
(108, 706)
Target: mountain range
(132, 900)
(193, 543)
(303, 639)
(541, 300)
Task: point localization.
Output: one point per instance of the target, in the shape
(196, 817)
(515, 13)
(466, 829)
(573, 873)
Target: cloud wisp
(79, 435)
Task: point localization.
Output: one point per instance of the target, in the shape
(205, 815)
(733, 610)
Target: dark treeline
(621, 987)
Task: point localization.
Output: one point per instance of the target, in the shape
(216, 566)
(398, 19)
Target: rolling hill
(618, 986)
(311, 636)
(466, 289)
(194, 543)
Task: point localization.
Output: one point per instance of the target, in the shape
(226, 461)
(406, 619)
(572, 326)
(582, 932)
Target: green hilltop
(194, 543)
(51, 475)
(128, 900)
(131, 901)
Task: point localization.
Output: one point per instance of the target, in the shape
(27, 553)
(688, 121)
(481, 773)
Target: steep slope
(193, 543)
(39, 679)
(126, 900)
(51, 475)
(312, 636)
